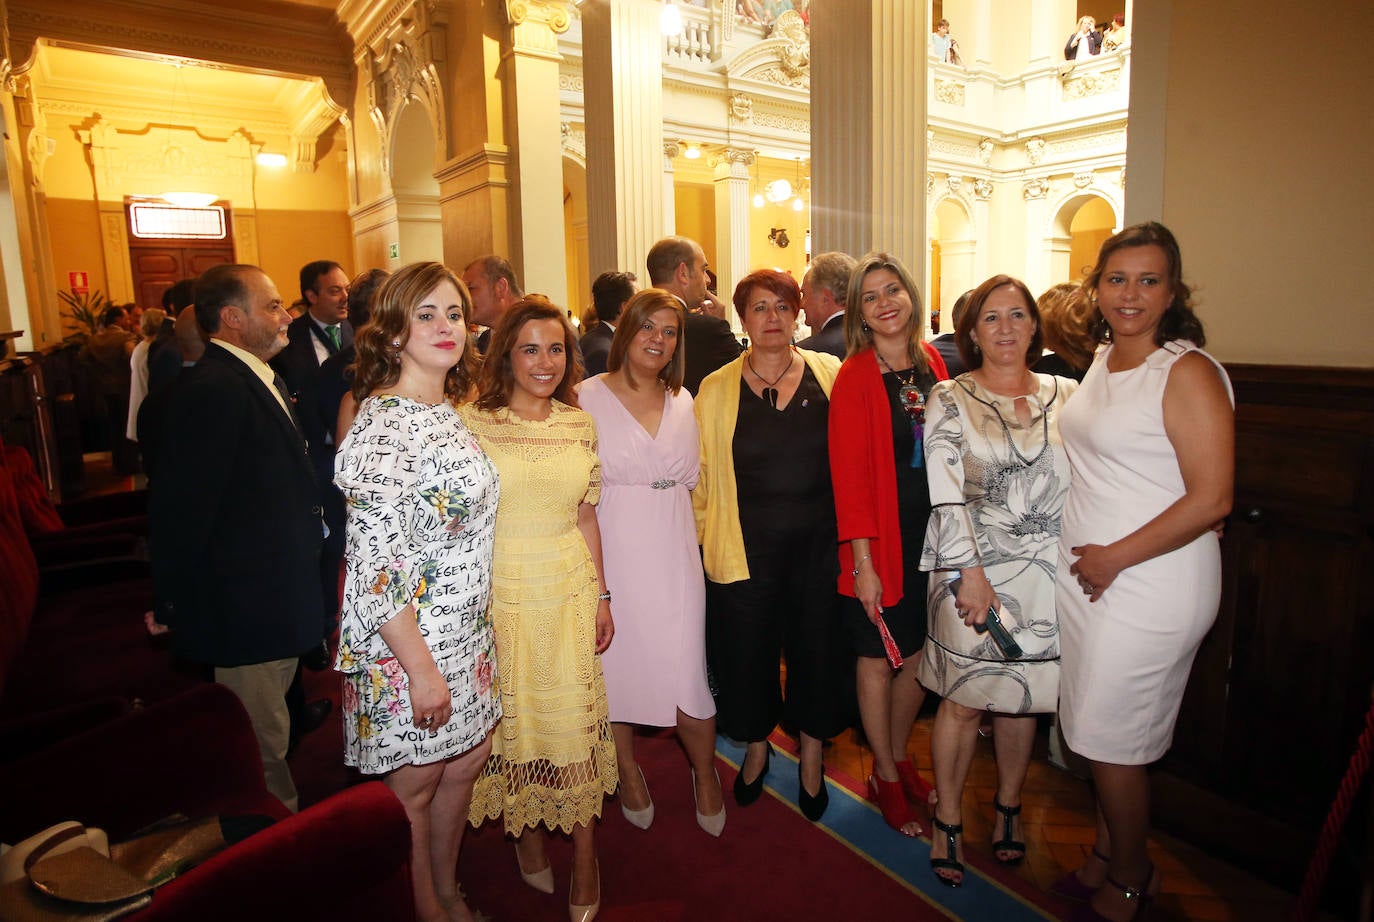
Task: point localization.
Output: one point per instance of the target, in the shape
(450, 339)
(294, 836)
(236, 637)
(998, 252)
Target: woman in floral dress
(416, 649)
(553, 760)
(998, 476)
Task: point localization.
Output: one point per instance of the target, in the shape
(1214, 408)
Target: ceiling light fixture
(670, 20)
(172, 154)
(693, 152)
(273, 160)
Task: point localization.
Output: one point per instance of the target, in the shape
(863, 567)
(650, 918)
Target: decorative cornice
(950, 92)
(283, 39)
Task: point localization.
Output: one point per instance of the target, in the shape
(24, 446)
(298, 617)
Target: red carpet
(770, 864)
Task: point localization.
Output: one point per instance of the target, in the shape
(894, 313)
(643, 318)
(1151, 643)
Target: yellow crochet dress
(552, 757)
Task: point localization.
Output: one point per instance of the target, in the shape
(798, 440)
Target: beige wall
(1266, 177)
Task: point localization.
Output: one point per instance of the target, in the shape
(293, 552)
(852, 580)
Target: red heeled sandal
(891, 800)
(913, 785)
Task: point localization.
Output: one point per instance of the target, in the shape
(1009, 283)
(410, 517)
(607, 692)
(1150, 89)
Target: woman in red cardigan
(882, 502)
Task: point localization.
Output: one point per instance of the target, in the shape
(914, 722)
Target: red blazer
(863, 471)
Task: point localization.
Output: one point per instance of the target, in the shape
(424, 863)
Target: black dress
(789, 604)
(907, 619)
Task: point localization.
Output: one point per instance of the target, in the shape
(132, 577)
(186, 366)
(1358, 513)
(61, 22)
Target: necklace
(913, 401)
(770, 389)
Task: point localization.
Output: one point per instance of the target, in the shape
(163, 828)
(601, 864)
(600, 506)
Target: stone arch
(1061, 239)
(575, 231)
(412, 158)
(954, 237)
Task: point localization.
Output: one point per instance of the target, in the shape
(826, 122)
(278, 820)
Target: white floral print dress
(997, 494)
(407, 470)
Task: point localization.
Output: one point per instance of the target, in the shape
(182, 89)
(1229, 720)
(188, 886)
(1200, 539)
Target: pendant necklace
(770, 389)
(913, 404)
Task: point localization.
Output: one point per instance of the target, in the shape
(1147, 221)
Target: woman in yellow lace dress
(553, 757)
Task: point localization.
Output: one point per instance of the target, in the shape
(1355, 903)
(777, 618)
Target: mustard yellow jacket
(716, 497)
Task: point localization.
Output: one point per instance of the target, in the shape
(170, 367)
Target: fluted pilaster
(868, 132)
(532, 62)
(624, 106)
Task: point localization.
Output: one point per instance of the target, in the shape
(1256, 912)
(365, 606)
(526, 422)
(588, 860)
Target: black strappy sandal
(1007, 843)
(949, 863)
(1139, 898)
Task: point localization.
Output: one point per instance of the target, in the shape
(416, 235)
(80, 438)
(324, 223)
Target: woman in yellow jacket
(766, 519)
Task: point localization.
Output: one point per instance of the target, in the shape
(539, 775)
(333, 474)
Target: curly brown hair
(380, 342)
(497, 380)
(1064, 319)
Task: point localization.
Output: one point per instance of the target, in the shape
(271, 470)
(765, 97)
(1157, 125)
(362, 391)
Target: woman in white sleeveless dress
(1150, 438)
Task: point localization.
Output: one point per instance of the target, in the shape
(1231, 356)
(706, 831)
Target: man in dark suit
(824, 290)
(945, 344)
(678, 266)
(235, 518)
(610, 291)
(319, 332)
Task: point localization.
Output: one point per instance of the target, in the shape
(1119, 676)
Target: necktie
(334, 336)
(280, 384)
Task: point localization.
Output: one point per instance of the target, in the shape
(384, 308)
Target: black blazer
(164, 356)
(1094, 45)
(596, 348)
(830, 339)
(297, 362)
(710, 344)
(949, 351)
(234, 521)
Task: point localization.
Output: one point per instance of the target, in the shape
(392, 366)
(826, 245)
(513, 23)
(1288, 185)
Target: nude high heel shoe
(578, 912)
(644, 818)
(715, 823)
(541, 880)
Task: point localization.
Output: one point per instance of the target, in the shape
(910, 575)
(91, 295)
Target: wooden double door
(159, 263)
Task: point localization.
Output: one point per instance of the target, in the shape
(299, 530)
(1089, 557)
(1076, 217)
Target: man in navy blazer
(235, 517)
(610, 292)
(678, 266)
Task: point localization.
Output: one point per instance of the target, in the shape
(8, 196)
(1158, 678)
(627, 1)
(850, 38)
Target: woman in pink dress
(647, 441)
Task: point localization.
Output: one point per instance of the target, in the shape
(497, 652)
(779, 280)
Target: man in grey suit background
(824, 290)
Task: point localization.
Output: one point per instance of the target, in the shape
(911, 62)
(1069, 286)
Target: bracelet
(605, 596)
(859, 561)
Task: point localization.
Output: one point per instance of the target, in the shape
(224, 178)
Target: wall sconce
(777, 236)
(693, 152)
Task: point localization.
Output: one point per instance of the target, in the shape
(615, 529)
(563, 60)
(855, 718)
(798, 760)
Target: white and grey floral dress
(407, 470)
(997, 493)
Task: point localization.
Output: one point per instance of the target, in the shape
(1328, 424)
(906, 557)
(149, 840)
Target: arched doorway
(953, 243)
(1076, 233)
(419, 226)
(575, 236)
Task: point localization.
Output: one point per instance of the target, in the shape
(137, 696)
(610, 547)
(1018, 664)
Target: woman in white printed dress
(416, 648)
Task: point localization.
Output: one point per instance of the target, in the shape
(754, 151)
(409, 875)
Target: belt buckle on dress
(663, 484)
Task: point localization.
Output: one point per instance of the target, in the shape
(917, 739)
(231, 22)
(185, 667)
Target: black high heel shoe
(1007, 843)
(1137, 897)
(746, 792)
(812, 805)
(948, 863)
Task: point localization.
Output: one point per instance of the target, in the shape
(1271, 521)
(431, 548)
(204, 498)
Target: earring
(976, 350)
(865, 326)
(396, 343)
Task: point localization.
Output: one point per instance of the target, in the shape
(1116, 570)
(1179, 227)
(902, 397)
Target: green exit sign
(395, 251)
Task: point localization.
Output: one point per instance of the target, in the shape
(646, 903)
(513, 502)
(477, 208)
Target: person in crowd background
(882, 502)
(416, 646)
(1117, 35)
(947, 343)
(1150, 437)
(610, 292)
(149, 325)
(823, 292)
(553, 761)
(648, 447)
(678, 266)
(998, 476)
(334, 403)
(1064, 322)
(943, 46)
(1085, 42)
(494, 288)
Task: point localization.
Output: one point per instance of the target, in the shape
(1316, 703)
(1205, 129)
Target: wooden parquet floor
(1057, 821)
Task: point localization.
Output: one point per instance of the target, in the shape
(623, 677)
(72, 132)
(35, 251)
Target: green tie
(334, 335)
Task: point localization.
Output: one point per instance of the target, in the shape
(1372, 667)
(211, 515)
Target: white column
(532, 63)
(732, 221)
(868, 132)
(624, 165)
(670, 151)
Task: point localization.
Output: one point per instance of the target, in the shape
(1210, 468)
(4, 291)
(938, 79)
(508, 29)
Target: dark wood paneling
(1281, 685)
